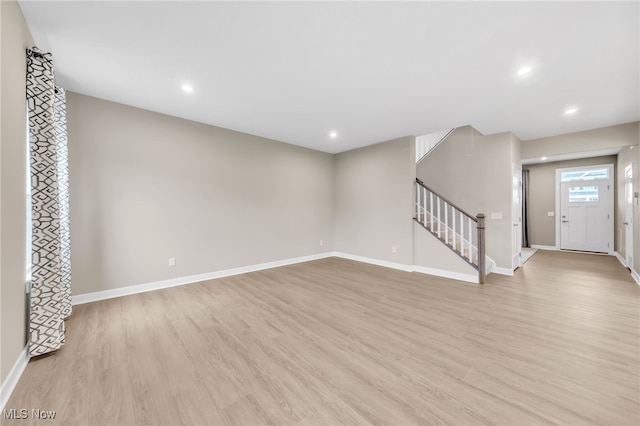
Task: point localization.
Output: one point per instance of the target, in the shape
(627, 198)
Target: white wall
(146, 187)
(13, 177)
(374, 201)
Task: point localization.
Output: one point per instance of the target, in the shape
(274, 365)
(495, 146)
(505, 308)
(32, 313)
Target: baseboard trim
(13, 377)
(541, 247)
(490, 265)
(446, 274)
(471, 278)
(372, 261)
(634, 274)
(143, 288)
(503, 271)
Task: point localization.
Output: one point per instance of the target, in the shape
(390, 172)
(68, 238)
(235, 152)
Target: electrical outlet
(496, 216)
(172, 261)
(394, 249)
(321, 242)
(551, 214)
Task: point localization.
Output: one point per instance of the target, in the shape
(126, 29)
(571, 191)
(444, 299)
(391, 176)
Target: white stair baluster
(431, 206)
(453, 221)
(446, 222)
(461, 234)
(424, 198)
(438, 218)
(470, 256)
(417, 201)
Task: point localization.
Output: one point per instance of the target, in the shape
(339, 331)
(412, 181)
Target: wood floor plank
(340, 342)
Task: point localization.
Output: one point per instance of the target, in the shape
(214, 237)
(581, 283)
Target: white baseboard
(13, 377)
(142, 288)
(540, 247)
(372, 261)
(446, 274)
(503, 271)
(620, 258)
(471, 278)
(634, 274)
(490, 265)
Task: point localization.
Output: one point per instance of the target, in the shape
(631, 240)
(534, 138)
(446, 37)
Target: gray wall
(146, 187)
(542, 196)
(478, 181)
(589, 140)
(374, 201)
(621, 136)
(431, 253)
(15, 39)
(625, 157)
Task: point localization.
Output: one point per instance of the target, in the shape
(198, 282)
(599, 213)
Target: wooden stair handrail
(470, 216)
(479, 219)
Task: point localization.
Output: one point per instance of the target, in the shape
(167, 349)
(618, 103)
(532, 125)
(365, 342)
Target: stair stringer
(433, 257)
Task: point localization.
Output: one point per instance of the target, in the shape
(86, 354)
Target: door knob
(626, 223)
(565, 221)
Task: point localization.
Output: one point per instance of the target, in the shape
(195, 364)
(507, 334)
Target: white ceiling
(370, 71)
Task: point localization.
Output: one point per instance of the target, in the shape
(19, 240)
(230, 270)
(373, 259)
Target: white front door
(628, 217)
(584, 215)
(516, 216)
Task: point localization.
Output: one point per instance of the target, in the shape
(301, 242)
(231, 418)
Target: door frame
(628, 260)
(611, 191)
(516, 229)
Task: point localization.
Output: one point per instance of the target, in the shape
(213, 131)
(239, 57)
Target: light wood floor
(340, 342)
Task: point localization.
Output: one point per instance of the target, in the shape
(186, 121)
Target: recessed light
(524, 71)
(333, 135)
(543, 158)
(570, 111)
(187, 88)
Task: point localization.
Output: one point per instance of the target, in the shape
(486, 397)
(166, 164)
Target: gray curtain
(525, 209)
(50, 295)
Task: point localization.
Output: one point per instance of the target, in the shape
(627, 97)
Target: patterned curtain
(50, 297)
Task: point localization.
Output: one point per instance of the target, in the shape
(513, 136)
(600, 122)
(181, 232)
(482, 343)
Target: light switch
(551, 214)
(496, 216)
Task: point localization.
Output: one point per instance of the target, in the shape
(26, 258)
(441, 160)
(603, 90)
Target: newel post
(481, 249)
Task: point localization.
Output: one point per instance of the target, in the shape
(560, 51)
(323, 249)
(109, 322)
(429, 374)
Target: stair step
(463, 252)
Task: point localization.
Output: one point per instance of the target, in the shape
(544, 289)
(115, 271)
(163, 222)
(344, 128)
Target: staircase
(458, 230)
(426, 143)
